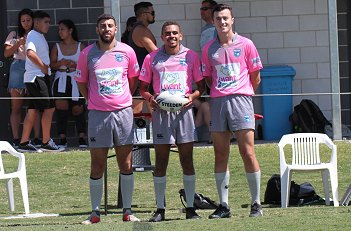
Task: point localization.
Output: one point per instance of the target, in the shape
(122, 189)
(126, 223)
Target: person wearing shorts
(172, 68)
(37, 80)
(231, 66)
(106, 75)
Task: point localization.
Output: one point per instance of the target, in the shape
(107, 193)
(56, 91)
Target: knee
(97, 170)
(77, 110)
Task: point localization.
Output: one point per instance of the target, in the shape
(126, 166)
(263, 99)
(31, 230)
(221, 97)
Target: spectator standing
(14, 47)
(231, 66)
(142, 41)
(208, 32)
(107, 74)
(129, 27)
(38, 84)
(172, 64)
(63, 59)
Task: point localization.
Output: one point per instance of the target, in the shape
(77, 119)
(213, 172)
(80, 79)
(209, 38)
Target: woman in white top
(14, 47)
(63, 59)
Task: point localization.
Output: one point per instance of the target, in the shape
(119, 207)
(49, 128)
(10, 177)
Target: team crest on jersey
(119, 57)
(237, 52)
(203, 67)
(182, 61)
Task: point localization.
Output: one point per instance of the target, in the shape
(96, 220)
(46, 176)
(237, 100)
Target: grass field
(58, 184)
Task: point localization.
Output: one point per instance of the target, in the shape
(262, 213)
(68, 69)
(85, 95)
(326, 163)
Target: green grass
(58, 184)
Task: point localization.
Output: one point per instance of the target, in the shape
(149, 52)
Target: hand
(153, 102)
(21, 41)
(190, 103)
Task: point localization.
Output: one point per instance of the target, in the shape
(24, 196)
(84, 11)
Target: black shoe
(15, 143)
(220, 212)
(191, 214)
(27, 147)
(36, 142)
(82, 143)
(158, 216)
(62, 143)
(256, 210)
(51, 147)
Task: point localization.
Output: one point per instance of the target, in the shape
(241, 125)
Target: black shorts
(67, 93)
(40, 88)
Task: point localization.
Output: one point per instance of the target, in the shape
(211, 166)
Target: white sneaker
(130, 217)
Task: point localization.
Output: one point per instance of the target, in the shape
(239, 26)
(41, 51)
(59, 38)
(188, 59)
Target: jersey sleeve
(146, 70)
(133, 66)
(81, 75)
(197, 73)
(254, 60)
(206, 65)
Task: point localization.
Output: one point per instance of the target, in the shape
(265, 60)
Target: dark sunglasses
(152, 12)
(205, 8)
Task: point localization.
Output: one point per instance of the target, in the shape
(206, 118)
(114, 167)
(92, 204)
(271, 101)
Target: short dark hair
(169, 23)
(70, 25)
(139, 7)
(20, 28)
(104, 17)
(211, 2)
(40, 14)
(220, 7)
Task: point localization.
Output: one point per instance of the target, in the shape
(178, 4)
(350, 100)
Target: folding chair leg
(105, 192)
(335, 187)
(285, 189)
(119, 196)
(24, 189)
(325, 176)
(9, 187)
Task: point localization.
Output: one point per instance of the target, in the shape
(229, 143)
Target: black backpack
(299, 194)
(200, 201)
(308, 117)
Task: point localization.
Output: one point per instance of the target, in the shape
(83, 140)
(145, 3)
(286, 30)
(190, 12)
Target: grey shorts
(173, 127)
(108, 129)
(232, 113)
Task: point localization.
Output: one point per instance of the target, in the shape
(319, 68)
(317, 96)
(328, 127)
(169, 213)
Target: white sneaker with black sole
(51, 147)
(28, 148)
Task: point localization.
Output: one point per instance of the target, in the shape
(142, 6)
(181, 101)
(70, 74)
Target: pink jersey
(174, 73)
(230, 66)
(106, 74)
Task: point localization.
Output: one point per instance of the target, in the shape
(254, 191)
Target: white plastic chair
(20, 174)
(305, 157)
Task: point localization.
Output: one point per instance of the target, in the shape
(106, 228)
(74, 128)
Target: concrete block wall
(286, 32)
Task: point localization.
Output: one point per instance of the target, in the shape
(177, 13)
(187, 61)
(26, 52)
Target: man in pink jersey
(231, 66)
(107, 75)
(172, 68)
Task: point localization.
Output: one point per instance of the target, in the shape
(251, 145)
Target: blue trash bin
(276, 109)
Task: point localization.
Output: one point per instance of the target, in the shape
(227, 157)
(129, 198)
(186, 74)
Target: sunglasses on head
(152, 12)
(205, 8)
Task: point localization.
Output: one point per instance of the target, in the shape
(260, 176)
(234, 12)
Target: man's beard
(106, 40)
(151, 21)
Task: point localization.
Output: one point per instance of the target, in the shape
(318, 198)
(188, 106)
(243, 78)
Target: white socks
(160, 189)
(95, 193)
(189, 188)
(127, 188)
(254, 180)
(222, 182)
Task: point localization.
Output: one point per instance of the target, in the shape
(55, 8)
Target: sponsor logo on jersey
(78, 73)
